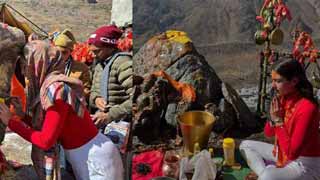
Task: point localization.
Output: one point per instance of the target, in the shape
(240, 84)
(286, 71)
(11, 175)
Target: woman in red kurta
(59, 115)
(294, 121)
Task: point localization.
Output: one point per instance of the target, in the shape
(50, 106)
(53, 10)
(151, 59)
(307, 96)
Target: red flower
(282, 12)
(304, 47)
(260, 19)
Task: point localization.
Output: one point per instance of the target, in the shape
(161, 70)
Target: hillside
(222, 30)
(78, 15)
(216, 21)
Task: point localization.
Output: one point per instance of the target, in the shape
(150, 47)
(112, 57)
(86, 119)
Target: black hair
(291, 68)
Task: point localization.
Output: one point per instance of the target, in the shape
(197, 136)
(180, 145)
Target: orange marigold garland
(82, 53)
(125, 44)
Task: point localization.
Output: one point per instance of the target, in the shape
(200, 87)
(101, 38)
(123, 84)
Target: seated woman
(59, 115)
(294, 121)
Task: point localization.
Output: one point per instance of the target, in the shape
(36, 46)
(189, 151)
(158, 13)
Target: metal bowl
(196, 127)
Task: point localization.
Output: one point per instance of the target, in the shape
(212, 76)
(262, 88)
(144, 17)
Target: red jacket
(61, 124)
(303, 140)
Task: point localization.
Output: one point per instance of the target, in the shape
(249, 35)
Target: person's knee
(245, 144)
(269, 174)
(243, 147)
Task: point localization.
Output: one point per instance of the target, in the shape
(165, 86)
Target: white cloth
(99, 159)
(255, 152)
(202, 164)
(121, 12)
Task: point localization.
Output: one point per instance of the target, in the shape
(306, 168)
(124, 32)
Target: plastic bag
(201, 165)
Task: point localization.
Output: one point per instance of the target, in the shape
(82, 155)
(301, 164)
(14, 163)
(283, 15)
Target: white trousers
(256, 153)
(99, 159)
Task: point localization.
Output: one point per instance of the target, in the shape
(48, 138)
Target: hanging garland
(82, 53)
(125, 44)
(303, 47)
(272, 13)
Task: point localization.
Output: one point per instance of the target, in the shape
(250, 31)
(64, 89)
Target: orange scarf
(289, 108)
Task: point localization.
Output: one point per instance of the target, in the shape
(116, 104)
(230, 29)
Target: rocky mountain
(222, 30)
(216, 21)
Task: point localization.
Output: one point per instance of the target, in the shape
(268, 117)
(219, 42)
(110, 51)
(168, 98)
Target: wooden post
(263, 79)
(259, 110)
(265, 72)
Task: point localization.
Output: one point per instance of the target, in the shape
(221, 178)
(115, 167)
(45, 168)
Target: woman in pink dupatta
(59, 115)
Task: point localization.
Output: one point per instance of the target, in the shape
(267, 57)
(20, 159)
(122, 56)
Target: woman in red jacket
(59, 115)
(294, 121)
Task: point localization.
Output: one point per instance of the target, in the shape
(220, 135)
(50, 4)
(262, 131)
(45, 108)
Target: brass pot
(196, 127)
(260, 37)
(276, 36)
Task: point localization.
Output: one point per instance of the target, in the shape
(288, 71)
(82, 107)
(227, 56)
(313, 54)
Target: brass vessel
(276, 36)
(195, 127)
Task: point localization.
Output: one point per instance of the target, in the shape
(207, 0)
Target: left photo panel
(66, 89)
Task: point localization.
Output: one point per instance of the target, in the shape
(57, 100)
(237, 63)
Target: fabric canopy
(7, 17)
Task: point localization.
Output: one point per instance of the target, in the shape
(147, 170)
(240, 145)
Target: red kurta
(62, 124)
(302, 138)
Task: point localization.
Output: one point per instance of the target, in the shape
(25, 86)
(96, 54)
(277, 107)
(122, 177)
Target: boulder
(174, 53)
(244, 117)
(180, 60)
(12, 41)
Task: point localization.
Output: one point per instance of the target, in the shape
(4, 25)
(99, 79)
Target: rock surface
(17, 149)
(12, 41)
(177, 56)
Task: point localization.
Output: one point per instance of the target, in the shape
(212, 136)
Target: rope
(4, 4)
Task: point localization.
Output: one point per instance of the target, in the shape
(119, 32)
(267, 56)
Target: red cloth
(154, 159)
(105, 36)
(60, 123)
(302, 138)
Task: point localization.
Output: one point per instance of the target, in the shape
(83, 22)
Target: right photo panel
(225, 90)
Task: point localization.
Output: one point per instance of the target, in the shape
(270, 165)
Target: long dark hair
(290, 69)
